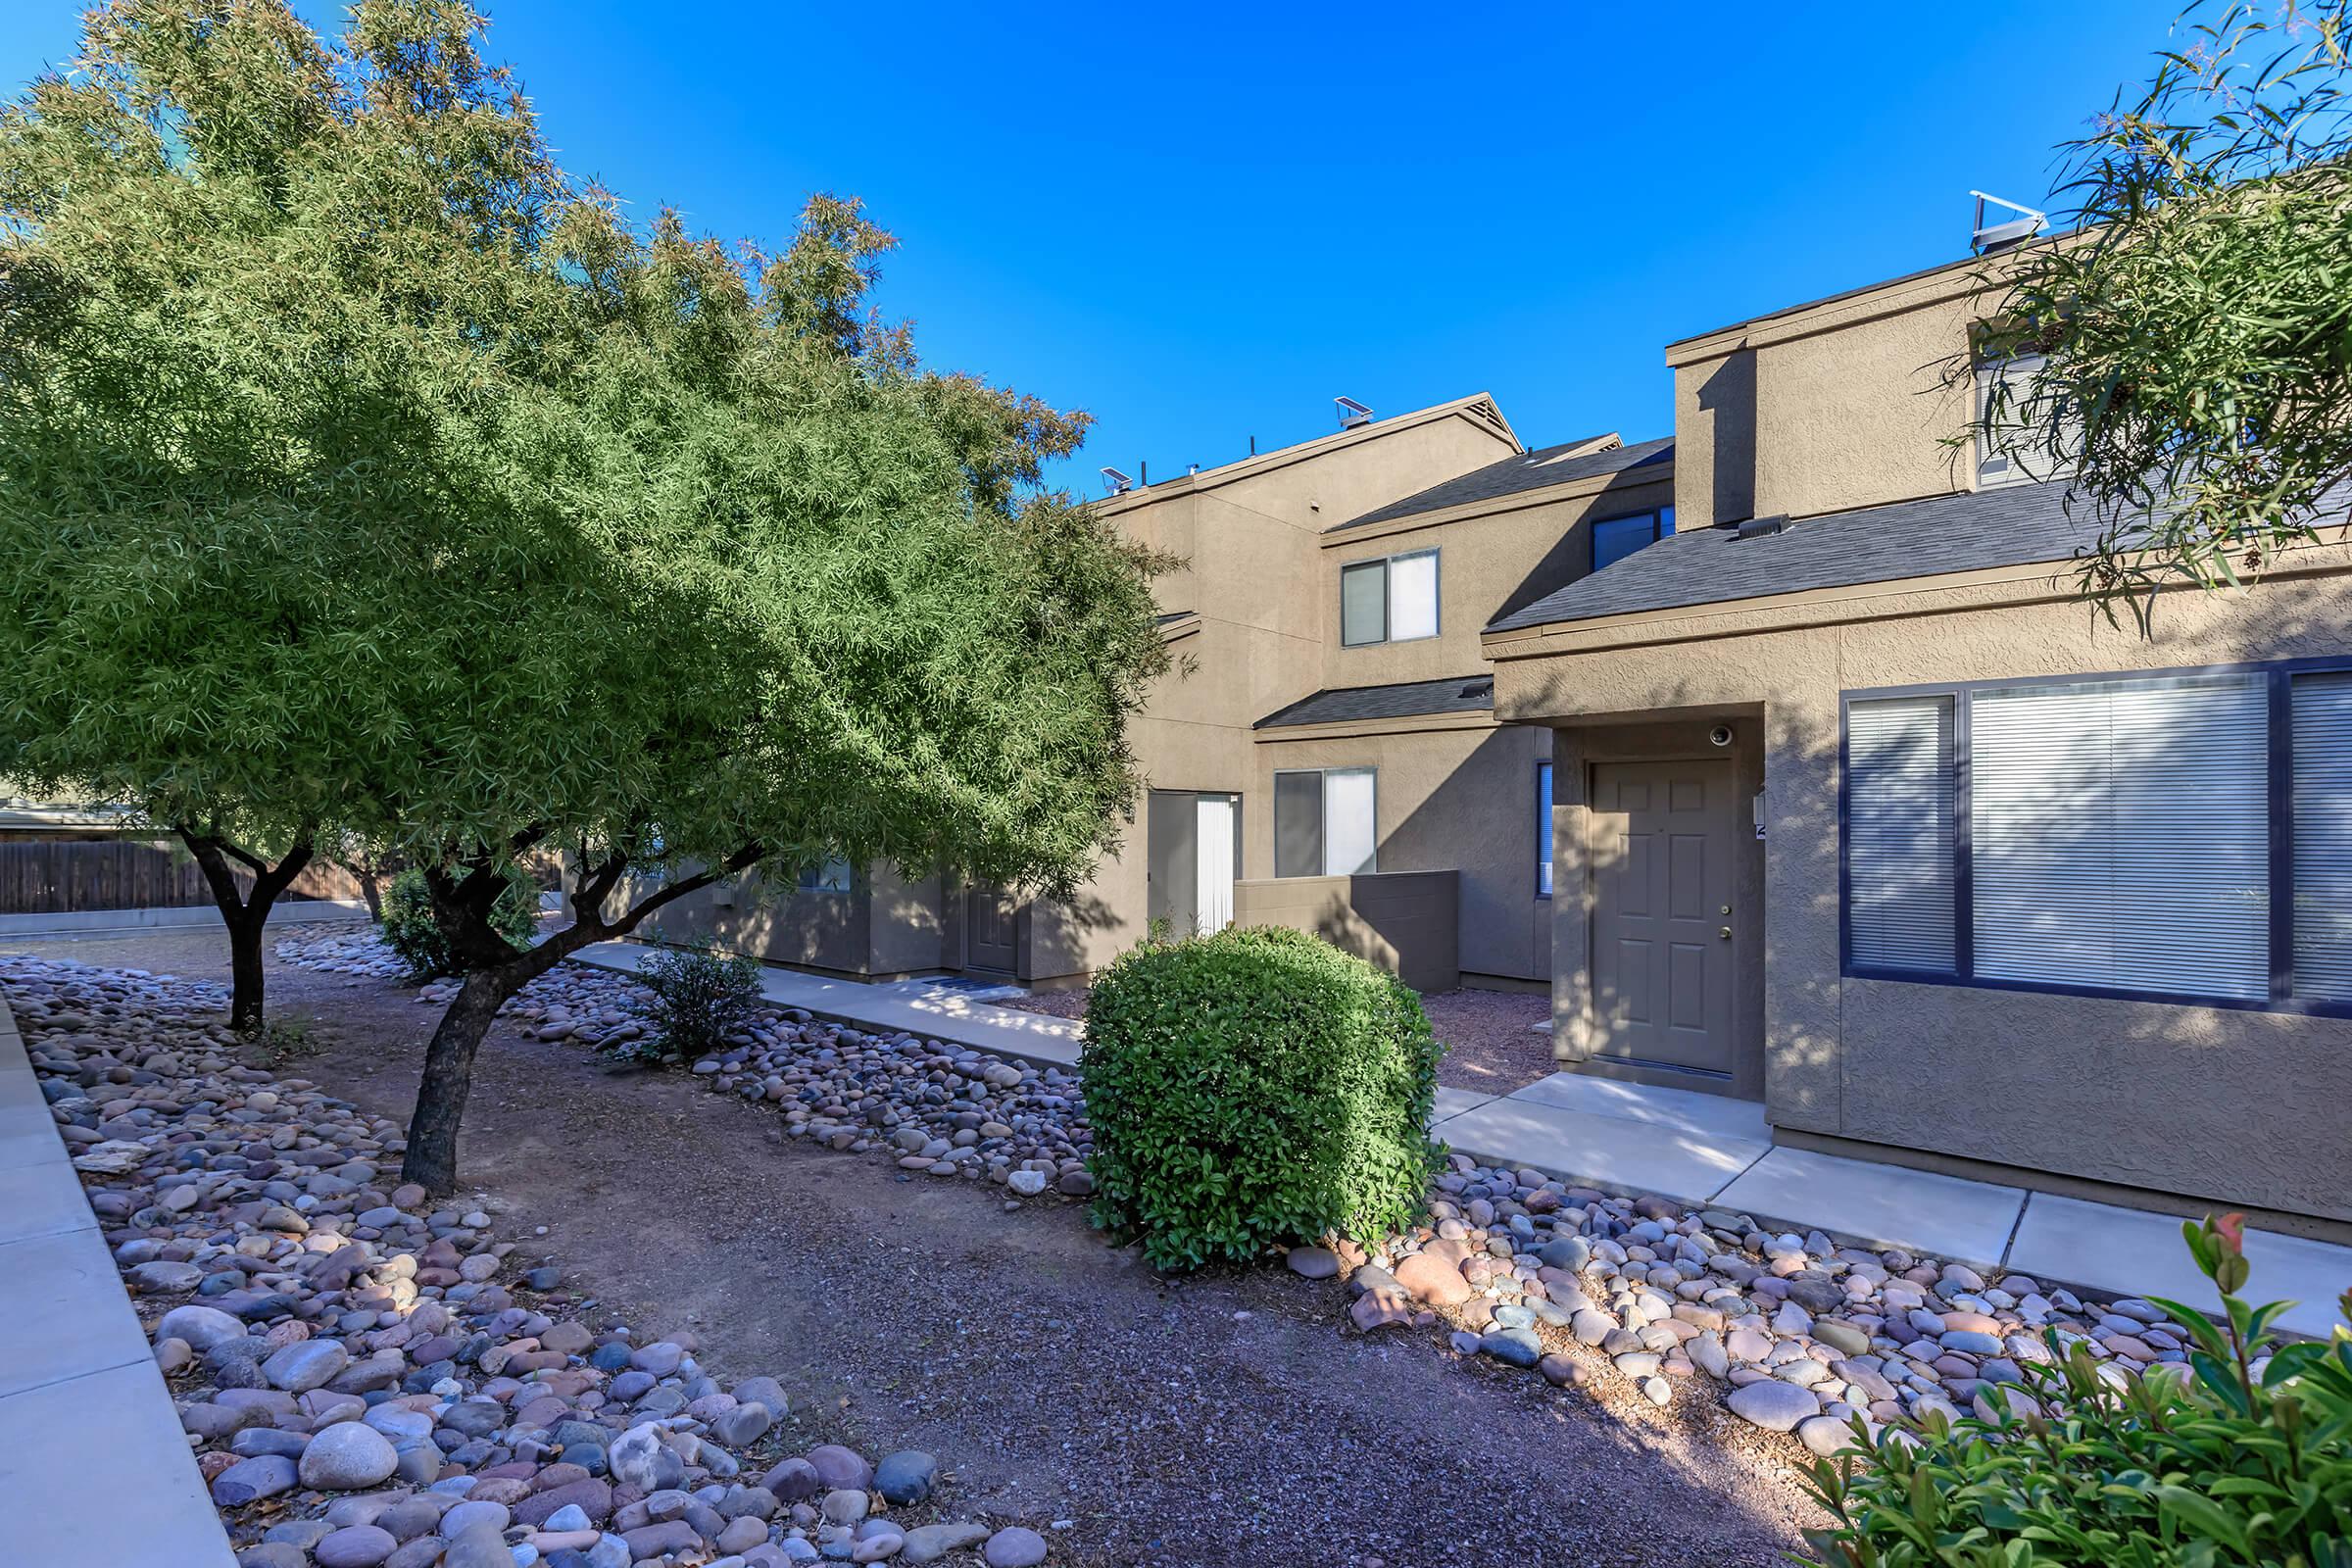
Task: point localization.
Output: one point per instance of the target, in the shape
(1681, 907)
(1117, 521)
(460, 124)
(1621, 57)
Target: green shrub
(1254, 1087)
(409, 929)
(699, 994)
(2234, 1460)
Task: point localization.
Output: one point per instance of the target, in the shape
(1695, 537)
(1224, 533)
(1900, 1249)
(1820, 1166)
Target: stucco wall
(2234, 1105)
(1842, 405)
(1405, 921)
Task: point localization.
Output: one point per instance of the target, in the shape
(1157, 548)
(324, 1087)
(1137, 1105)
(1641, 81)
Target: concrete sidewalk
(91, 1451)
(1701, 1149)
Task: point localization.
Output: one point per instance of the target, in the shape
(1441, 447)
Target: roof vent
(2002, 232)
(1759, 528)
(1352, 413)
(1118, 483)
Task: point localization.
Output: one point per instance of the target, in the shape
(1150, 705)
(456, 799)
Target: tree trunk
(245, 912)
(245, 968)
(365, 874)
(462, 909)
(431, 1161)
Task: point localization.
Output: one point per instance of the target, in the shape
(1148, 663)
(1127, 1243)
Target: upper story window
(1615, 538)
(2014, 433)
(1388, 601)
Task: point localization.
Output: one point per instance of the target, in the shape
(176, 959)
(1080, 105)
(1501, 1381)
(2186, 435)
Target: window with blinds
(1899, 833)
(2322, 725)
(2120, 834)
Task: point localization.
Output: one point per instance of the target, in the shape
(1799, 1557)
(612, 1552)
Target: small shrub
(1253, 1087)
(2241, 1460)
(699, 994)
(280, 1040)
(409, 929)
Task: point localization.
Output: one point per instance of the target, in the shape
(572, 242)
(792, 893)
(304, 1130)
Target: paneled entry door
(1662, 921)
(993, 930)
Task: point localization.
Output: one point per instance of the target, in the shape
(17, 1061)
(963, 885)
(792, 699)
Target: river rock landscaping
(368, 1378)
(1792, 1332)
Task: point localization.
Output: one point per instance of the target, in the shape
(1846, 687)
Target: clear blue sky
(1202, 223)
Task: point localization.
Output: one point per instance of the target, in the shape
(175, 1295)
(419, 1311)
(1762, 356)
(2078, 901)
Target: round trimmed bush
(410, 930)
(1256, 1086)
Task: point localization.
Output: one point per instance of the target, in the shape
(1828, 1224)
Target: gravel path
(1226, 1419)
(1492, 1042)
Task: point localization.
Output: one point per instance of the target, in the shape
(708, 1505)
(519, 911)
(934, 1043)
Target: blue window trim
(2278, 673)
(1545, 777)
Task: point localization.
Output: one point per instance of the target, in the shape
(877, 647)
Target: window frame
(1388, 604)
(2280, 677)
(819, 886)
(1323, 816)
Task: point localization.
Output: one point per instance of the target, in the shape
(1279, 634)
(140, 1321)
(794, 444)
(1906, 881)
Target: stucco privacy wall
(2238, 1106)
(1406, 921)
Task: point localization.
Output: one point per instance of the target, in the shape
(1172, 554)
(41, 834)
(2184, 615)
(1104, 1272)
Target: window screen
(2322, 827)
(1365, 603)
(2120, 834)
(1899, 833)
(1297, 824)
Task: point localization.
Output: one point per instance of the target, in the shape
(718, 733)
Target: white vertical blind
(1898, 833)
(1413, 596)
(1212, 861)
(2322, 823)
(2120, 834)
(1350, 834)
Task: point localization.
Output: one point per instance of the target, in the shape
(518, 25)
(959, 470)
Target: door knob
(1727, 933)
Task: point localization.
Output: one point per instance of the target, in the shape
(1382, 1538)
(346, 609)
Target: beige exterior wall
(1847, 403)
(1456, 796)
(2231, 1105)
(1406, 921)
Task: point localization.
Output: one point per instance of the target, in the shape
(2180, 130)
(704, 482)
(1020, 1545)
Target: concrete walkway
(1706, 1149)
(91, 1453)
(1694, 1149)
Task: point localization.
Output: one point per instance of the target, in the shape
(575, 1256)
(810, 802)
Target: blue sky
(1202, 222)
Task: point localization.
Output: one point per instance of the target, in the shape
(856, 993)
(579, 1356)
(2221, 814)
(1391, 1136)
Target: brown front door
(1662, 921)
(994, 934)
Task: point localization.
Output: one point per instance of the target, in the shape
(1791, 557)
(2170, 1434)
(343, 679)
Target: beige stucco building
(1780, 751)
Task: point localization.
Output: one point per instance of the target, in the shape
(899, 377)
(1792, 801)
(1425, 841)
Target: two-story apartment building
(1783, 751)
(1861, 812)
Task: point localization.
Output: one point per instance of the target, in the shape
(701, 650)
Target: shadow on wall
(1406, 922)
(1571, 555)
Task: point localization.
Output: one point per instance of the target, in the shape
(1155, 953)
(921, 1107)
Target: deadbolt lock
(1727, 909)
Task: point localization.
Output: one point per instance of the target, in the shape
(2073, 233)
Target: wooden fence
(54, 876)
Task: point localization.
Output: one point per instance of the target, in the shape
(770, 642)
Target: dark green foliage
(2236, 1462)
(1256, 1086)
(412, 931)
(699, 994)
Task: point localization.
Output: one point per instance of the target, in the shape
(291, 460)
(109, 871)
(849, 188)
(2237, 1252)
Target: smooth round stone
(348, 1456)
(905, 1479)
(1313, 1262)
(355, 1547)
(1015, 1548)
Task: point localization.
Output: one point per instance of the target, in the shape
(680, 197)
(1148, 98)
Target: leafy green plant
(1254, 1087)
(2242, 1457)
(411, 932)
(699, 994)
(280, 1040)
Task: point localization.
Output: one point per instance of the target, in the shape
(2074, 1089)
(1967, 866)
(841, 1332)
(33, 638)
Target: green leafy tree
(513, 528)
(2196, 324)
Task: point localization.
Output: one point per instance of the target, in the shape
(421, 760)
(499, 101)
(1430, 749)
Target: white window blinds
(1350, 832)
(1413, 596)
(2120, 834)
(1899, 833)
(2323, 826)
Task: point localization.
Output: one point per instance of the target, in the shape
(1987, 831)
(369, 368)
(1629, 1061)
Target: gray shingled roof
(1457, 694)
(1531, 472)
(2014, 525)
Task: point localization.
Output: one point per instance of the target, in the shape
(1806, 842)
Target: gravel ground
(1492, 1043)
(1223, 1419)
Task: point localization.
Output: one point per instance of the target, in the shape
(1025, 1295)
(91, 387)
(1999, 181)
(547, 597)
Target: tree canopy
(2196, 324)
(365, 470)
